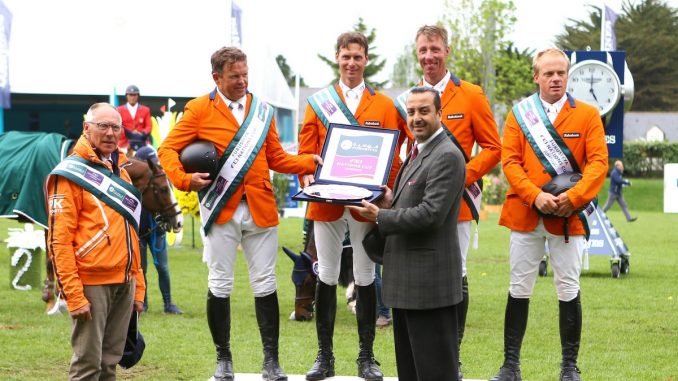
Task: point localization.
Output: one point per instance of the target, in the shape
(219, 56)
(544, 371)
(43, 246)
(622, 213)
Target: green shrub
(647, 159)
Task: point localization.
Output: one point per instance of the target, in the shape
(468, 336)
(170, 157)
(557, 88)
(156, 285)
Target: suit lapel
(448, 94)
(365, 101)
(409, 169)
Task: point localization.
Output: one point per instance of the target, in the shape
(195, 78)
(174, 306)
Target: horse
(27, 158)
(305, 275)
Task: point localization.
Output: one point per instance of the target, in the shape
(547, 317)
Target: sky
(300, 29)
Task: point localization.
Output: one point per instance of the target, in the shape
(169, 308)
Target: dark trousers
(426, 344)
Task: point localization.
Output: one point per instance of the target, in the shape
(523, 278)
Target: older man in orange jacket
(469, 121)
(93, 240)
(238, 207)
(548, 134)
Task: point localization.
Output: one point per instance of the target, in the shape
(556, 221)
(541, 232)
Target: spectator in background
(136, 122)
(617, 182)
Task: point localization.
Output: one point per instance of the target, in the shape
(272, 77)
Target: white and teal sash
(329, 108)
(547, 144)
(236, 161)
(401, 105)
(98, 180)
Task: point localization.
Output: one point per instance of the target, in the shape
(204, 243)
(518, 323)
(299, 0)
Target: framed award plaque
(357, 162)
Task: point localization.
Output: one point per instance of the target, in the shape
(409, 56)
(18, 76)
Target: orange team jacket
(526, 175)
(374, 109)
(88, 240)
(140, 123)
(209, 118)
(467, 115)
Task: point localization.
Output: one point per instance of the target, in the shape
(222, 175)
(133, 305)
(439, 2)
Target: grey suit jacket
(422, 261)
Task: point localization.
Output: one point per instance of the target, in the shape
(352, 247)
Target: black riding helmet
(200, 156)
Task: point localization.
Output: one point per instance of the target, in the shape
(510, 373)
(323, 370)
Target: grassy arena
(630, 328)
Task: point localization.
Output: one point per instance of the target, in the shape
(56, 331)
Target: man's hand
(309, 179)
(82, 313)
(138, 306)
(199, 181)
(368, 210)
(546, 203)
(387, 201)
(565, 207)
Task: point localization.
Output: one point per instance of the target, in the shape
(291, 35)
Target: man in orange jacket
(238, 207)
(469, 121)
(352, 102)
(92, 237)
(548, 134)
(136, 122)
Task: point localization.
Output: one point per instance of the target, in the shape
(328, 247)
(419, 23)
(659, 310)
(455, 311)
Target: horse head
(156, 193)
(304, 277)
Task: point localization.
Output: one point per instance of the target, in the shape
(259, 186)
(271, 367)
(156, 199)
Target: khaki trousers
(98, 344)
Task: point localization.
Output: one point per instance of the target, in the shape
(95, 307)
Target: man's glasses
(104, 126)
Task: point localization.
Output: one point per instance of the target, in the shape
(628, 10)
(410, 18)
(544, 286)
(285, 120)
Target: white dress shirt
(352, 95)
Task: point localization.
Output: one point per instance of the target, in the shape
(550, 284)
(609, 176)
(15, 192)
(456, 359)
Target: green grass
(630, 327)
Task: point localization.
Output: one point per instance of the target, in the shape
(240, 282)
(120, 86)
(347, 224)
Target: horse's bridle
(162, 217)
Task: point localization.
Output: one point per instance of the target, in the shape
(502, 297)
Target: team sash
(98, 180)
(329, 108)
(473, 194)
(236, 161)
(547, 144)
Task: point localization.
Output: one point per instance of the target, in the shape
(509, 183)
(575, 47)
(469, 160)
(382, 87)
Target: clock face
(595, 83)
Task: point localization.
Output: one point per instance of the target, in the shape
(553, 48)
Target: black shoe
(507, 373)
(368, 368)
(224, 370)
(570, 373)
(272, 371)
(322, 368)
(633, 219)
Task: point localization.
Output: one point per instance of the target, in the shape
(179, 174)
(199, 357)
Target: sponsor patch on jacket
(571, 135)
(455, 116)
(55, 203)
(372, 123)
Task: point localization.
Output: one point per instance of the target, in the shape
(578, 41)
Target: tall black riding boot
(570, 335)
(219, 321)
(366, 315)
(325, 312)
(515, 323)
(462, 310)
(268, 317)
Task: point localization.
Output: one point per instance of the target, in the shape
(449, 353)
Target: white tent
(97, 47)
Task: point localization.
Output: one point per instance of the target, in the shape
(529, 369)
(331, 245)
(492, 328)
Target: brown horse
(157, 197)
(305, 274)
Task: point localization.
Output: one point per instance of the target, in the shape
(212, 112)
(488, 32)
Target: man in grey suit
(422, 279)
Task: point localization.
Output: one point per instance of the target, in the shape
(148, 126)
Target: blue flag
(5, 28)
(608, 29)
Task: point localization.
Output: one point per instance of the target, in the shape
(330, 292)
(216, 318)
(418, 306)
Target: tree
(481, 53)
(406, 71)
(287, 72)
(374, 65)
(646, 32)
